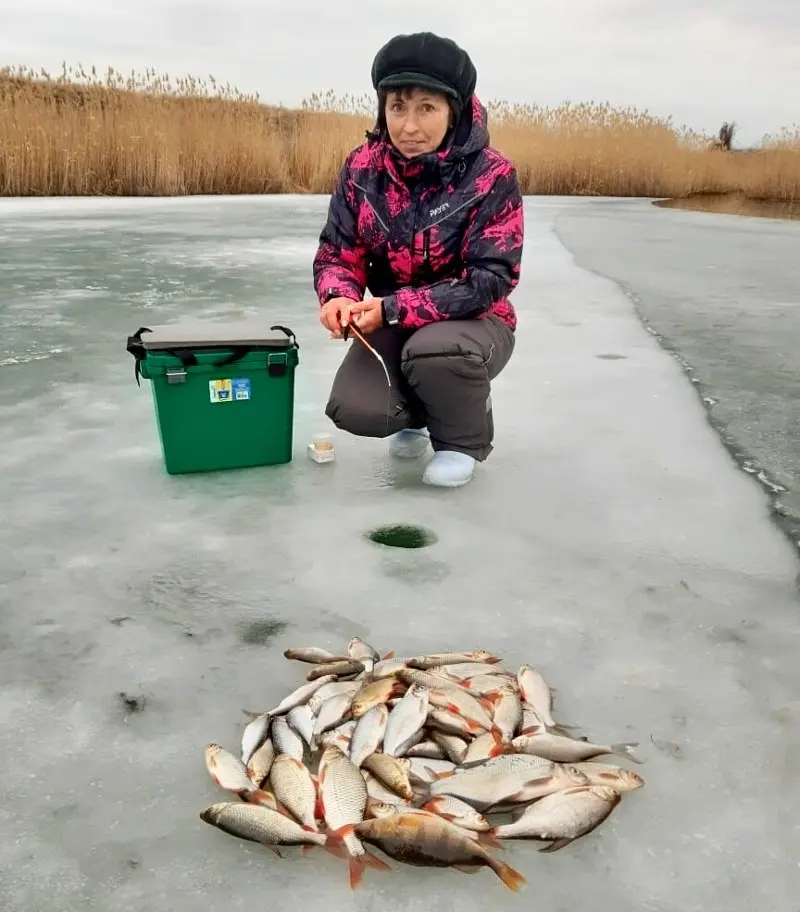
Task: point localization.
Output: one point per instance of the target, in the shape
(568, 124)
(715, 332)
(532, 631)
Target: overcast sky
(701, 61)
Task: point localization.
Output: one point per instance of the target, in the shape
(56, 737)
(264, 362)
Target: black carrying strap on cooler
(136, 348)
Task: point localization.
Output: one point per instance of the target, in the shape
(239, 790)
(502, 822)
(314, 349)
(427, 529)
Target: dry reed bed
(81, 135)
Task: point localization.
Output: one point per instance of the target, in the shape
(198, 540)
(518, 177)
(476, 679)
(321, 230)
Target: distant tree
(724, 140)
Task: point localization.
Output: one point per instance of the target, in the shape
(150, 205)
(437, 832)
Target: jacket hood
(467, 137)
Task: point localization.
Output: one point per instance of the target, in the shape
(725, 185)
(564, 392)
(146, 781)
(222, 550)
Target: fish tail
(358, 864)
(251, 715)
(625, 749)
(500, 746)
(356, 868)
(511, 878)
(420, 793)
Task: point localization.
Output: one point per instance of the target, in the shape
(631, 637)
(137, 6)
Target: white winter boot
(449, 469)
(409, 444)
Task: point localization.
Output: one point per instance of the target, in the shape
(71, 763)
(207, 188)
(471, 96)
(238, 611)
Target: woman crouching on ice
(428, 217)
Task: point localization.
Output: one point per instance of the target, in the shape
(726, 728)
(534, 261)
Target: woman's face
(417, 120)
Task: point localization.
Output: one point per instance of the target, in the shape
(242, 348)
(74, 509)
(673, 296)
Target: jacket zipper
(452, 212)
(369, 203)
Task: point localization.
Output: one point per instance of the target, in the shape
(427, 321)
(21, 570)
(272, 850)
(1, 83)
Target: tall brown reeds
(82, 134)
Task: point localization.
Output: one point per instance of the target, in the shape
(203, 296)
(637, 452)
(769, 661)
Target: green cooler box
(223, 392)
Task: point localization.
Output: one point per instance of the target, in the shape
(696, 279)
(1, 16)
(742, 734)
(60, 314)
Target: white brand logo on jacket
(439, 210)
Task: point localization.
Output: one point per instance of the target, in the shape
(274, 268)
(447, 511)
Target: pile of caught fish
(420, 758)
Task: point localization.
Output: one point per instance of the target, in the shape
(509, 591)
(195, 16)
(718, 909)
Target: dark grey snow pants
(441, 375)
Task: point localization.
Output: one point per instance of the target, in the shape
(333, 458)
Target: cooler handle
(137, 349)
(287, 332)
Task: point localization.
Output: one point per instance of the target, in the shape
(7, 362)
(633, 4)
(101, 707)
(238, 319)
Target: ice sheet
(609, 539)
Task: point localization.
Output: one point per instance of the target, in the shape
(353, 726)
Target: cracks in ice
(785, 522)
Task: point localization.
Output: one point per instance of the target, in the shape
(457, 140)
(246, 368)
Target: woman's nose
(410, 124)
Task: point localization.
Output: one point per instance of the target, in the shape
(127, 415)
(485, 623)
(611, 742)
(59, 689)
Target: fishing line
(360, 336)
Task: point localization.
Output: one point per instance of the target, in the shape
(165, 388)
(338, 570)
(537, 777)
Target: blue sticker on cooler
(241, 388)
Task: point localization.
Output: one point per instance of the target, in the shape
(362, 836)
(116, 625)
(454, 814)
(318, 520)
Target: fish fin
(489, 840)
(556, 845)
(626, 750)
(560, 729)
(372, 861)
(492, 660)
(273, 848)
(443, 774)
(252, 715)
(511, 878)
(415, 779)
(389, 655)
(258, 796)
(467, 869)
(492, 696)
(521, 796)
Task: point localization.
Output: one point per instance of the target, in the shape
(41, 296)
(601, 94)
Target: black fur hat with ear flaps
(426, 60)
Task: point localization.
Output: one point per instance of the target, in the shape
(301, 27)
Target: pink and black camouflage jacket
(438, 237)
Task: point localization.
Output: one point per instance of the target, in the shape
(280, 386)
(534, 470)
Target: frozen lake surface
(723, 293)
(610, 539)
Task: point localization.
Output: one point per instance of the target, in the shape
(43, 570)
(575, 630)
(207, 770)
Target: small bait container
(321, 448)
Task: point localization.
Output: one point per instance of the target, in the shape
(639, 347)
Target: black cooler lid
(198, 334)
